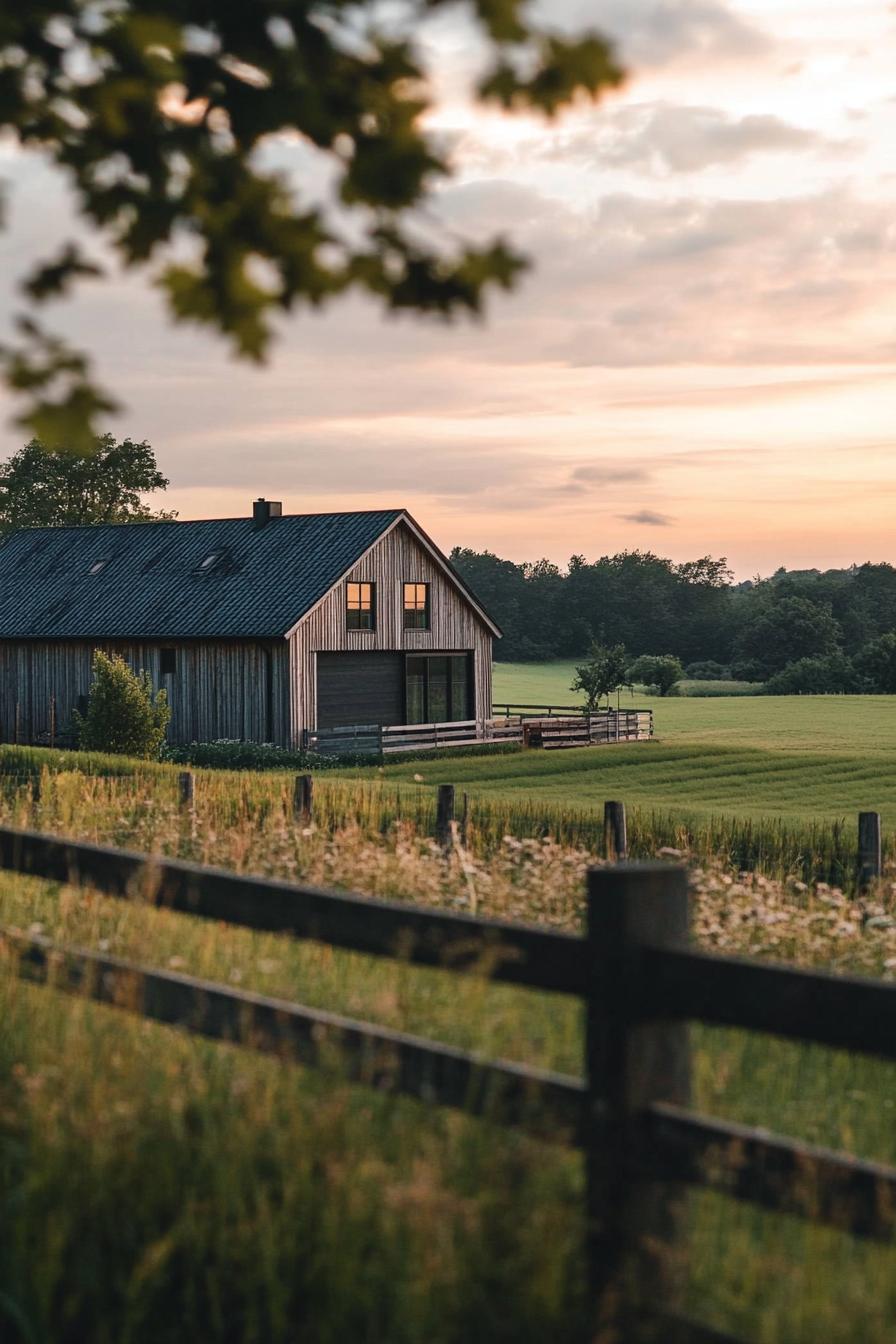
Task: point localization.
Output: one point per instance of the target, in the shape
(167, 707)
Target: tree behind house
(39, 488)
(123, 715)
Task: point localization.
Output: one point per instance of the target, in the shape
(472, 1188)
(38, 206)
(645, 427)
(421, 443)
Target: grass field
(154, 1187)
(549, 683)
(799, 759)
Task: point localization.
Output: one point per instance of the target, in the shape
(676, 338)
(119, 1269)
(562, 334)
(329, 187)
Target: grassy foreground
(154, 1187)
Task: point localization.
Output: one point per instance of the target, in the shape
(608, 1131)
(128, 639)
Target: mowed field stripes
(699, 780)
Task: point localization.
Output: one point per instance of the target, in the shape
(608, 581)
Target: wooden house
(258, 628)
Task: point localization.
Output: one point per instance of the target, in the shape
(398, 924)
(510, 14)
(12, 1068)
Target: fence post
(634, 1229)
(303, 797)
(445, 815)
(185, 789)
(465, 821)
(870, 865)
(615, 831)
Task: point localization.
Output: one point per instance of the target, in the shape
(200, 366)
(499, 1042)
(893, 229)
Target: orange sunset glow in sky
(701, 360)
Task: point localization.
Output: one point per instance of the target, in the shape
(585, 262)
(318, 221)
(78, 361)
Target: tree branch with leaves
(157, 111)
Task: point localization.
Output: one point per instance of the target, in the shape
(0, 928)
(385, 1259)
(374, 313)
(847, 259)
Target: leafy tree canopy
(158, 111)
(46, 489)
(787, 630)
(833, 674)
(602, 674)
(664, 671)
(876, 664)
(693, 610)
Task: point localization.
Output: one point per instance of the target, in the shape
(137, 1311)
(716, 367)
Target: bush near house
(237, 754)
(124, 715)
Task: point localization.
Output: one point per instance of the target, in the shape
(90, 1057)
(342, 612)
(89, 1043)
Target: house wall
(219, 689)
(396, 559)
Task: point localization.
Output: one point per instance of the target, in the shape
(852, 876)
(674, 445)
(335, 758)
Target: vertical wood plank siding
(396, 559)
(220, 689)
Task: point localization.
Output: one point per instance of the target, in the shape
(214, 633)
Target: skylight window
(97, 567)
(210, 561)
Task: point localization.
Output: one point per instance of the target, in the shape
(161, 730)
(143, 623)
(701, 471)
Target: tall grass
(124, 801)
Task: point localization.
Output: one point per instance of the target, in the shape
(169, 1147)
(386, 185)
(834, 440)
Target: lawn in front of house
(795, 758)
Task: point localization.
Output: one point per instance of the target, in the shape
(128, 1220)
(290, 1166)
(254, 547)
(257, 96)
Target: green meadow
(794, 759)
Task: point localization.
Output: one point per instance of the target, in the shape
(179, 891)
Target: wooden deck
(545, 730)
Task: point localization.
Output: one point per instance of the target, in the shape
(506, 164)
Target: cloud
(601, 473)
(657, 33)
(647, 518)
(638, 281)
(666, 138)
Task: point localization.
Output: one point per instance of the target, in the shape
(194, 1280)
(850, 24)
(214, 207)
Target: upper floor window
(416, 606)
(167, 662)
(360, 606)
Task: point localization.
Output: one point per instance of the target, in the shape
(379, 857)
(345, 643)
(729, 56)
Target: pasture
(265, 1202)
(795, 759)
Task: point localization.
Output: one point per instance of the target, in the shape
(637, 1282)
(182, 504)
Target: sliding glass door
(438, 688)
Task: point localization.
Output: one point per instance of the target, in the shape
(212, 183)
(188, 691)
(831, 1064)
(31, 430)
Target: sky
(702, 359)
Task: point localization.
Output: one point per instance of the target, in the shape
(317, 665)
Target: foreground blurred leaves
(157, 110)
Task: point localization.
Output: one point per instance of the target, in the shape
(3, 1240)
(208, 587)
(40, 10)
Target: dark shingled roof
(151, 588)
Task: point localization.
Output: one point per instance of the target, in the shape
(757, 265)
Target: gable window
(97, 567)
(167, 662)
(360, 606)
(416, 606)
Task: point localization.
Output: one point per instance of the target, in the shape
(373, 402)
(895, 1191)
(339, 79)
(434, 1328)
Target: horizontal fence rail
(630, 1112)
(839, 1011)
(544, 1103)
(533, 725)
(780, 1174)
(521, 954)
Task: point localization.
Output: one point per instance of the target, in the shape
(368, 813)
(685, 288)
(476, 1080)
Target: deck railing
(629, 1112)
(538, 726)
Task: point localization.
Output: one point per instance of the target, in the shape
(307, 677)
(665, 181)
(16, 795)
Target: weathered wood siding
(396, 559)
(235, 689)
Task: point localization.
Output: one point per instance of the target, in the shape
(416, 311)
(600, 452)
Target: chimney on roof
(263, 510)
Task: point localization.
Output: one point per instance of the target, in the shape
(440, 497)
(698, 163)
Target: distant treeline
(750, 631)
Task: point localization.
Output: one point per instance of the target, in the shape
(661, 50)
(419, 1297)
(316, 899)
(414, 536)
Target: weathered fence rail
(522, 954)
(532, 725)
(629, 1112)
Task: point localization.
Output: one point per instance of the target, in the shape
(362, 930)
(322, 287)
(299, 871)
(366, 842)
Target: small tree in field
(123, 716)
(601, 675)
(664, 671)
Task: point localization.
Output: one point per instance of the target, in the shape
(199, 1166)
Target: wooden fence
(539, 726)
(629, 1111)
